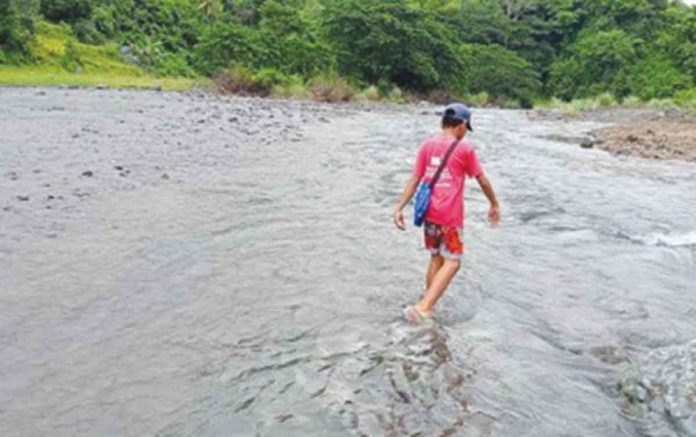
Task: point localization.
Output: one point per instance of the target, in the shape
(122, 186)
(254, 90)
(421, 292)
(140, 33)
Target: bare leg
(439, 283)
(435, 264)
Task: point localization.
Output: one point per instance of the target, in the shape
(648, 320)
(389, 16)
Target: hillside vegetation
(511, 52)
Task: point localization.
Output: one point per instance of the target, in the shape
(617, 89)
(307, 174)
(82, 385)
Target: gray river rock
(663, 385)
(182, 264)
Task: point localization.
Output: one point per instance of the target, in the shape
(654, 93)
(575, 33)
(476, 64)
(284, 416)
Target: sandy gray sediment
(64, 147)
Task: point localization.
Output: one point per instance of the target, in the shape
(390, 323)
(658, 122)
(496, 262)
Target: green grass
(685, 99)
(59, 59)
(33, 75)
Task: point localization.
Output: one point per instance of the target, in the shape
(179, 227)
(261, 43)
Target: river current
(176, 264)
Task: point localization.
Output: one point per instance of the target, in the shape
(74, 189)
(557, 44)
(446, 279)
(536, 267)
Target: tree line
(509, 49)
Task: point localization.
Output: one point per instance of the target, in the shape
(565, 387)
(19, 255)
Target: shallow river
(186, 265)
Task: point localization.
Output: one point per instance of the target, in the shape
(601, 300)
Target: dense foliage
(16, 29)
(507, 49)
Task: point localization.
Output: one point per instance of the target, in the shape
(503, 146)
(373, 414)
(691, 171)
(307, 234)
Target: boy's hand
(399, 219)
(494, 215)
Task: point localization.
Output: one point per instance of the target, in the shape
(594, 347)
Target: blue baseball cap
(459, 111)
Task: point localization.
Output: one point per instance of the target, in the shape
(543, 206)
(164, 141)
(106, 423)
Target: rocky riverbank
(649, 133)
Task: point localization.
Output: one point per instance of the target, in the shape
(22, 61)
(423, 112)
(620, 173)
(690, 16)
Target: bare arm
(409, 191)
(487, 188)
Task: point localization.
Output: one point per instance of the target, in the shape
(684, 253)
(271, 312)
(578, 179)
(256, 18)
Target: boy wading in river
(444, 218)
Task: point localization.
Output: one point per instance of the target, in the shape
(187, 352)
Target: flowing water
(175, 264)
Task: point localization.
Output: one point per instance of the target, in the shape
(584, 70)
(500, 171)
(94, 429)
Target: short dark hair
(450, 122)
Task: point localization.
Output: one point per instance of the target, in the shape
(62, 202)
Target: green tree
(69, 11)
(483, 22)
(148, 51)
(640, 18)
(162, 33)
(657, 77)
(507, 48)
(516, 9)
(596, 63)
(225, 44)
(394, 42)
(16, 29)
(499, 72)
(210, 8)
(293, 41)
(678, 39)
(245, 12)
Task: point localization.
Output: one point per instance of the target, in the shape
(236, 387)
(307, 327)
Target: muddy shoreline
(648, 133)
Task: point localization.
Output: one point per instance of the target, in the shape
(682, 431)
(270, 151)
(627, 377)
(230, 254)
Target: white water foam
(667, 239)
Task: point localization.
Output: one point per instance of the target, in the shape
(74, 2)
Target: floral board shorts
(443, 241)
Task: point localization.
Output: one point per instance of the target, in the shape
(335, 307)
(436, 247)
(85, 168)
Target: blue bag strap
(436, 176)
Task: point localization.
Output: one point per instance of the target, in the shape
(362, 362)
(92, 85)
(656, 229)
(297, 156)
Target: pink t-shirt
(446, 201)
